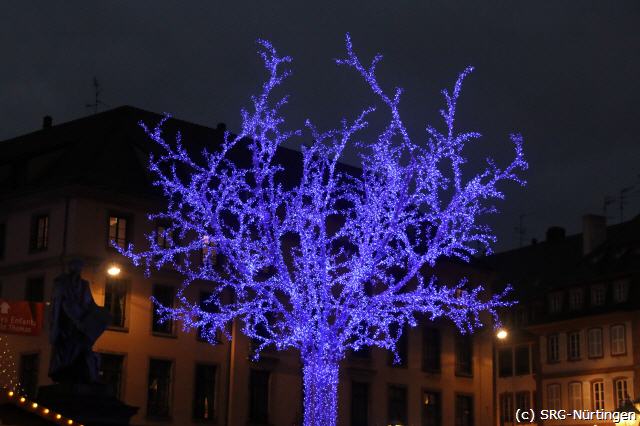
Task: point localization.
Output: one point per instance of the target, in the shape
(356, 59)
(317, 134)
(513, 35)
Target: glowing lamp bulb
(34, 405)
(69, 422)
(58, 416)
(502, 334)
(45, 411)
(10, 394)
(23, 399)
(114, 270)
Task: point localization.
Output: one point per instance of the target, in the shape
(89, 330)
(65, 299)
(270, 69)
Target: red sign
(21, 317)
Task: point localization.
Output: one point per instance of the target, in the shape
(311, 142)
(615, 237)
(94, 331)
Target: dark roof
(539, 268)
(107, 151)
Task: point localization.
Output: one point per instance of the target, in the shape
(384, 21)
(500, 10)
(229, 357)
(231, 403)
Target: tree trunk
(320, 377)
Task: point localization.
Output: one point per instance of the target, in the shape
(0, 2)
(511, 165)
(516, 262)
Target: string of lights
(44, 412)
(338, 260)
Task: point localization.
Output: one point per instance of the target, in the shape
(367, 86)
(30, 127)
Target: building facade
(580, 317)
(67, 191)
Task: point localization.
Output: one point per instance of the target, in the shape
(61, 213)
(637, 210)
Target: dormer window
(555, 302)
(598, 294)
(576, 298)
(620, 291)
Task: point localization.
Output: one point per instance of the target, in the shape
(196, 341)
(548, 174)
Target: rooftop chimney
(594, 232)
(47, 121)
(555, 234)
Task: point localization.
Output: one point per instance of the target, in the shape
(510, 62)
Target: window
(203, 334)
(111, 372)
(523, 362)
(3, 239)
(115, 299)
(506, 408)
(163, 237)
(598, 395)
(576, 299)
(164, 295)
(523, 400)
(39, 238)
(575, 396)
(505, 362)
(402, 346)
(464, 410)
(555, 303)
(431, 409)
(618, 341)
(594, 341)
(204, 392)
(431, 349)
(34, 290)
(208, 254)
(573, 348)
(622, 393)
(464, 355)
(359, 404)
(28, 376)
(159, 388)
(118, 231)
(259, 397)
(620, 291)
(598, 295)
(553, 348)
(398, 405)
(554, 401)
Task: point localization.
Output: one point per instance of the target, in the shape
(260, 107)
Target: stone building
(67, 190)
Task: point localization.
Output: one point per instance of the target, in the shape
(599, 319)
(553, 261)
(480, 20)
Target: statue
(76, 324)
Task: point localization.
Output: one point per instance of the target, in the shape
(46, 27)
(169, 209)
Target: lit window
(622, 393)
(555, 303)
(576, 297)
(620, 291)
(204, 392)
(554, 401)
(598, 294)
(553, 348)
(575, 396)
(595, 342)
(118, 231)
(618, 340)
(208, 253)
(598, 395)
(431, 408)
(574, 345)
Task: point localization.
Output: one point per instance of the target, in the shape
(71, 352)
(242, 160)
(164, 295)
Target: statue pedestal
(90, 405)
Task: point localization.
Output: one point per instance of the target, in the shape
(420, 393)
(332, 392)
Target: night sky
(566, 74)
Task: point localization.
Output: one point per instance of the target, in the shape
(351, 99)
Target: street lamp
(502, 333)
(114, 270)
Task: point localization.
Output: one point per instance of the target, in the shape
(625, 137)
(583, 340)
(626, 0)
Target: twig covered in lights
(335, 261)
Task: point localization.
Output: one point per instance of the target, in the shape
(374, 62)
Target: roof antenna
(97, 91)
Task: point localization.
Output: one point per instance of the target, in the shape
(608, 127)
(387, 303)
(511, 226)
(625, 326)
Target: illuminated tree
(334, 261)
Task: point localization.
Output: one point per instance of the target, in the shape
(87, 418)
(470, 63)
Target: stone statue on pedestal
(76, 324)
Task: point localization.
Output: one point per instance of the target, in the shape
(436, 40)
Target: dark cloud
(564, 73)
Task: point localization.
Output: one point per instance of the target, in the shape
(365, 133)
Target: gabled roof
(107, 151)
(539, 268)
